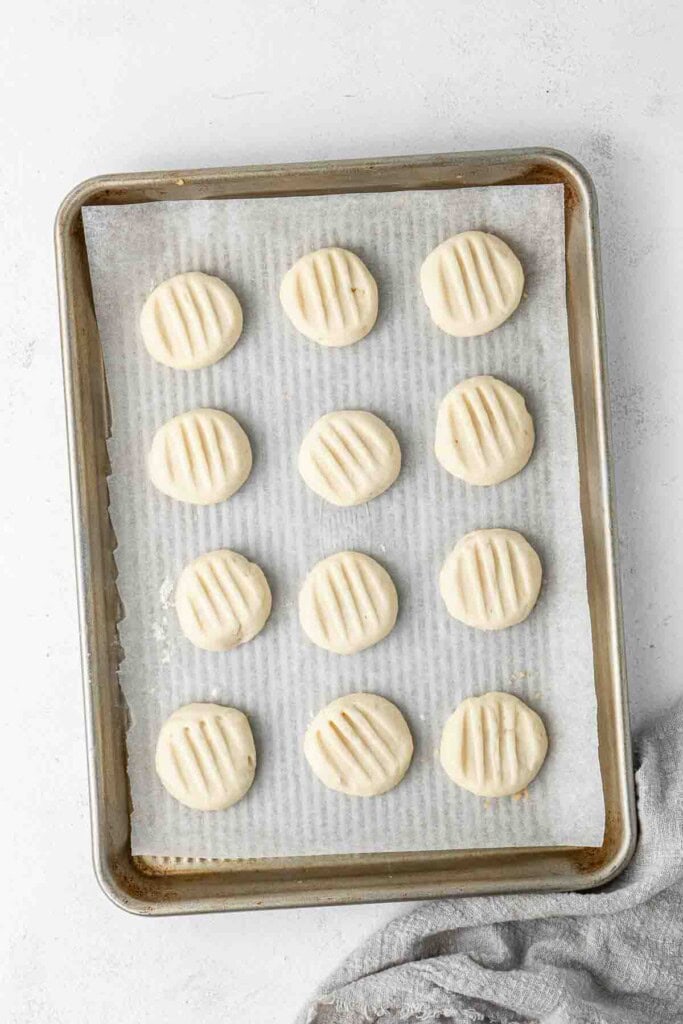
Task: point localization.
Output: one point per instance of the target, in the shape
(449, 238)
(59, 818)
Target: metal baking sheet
(160, 885)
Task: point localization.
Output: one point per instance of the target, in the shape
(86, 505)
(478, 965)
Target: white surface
(91, 88)
(277, 384)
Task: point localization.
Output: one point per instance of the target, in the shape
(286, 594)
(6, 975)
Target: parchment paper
(277, 383)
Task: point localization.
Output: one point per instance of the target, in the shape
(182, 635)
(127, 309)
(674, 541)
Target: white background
(93, 87)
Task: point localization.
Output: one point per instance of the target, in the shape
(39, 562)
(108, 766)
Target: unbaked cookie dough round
(331, 297)
(348, 602)
(359, 744)
(201, 457)
(205, 756)
(484, 433)
(493, 745)
(222, 600)
(472, 283)
(491, 579)
(349, 457)
(191, 320)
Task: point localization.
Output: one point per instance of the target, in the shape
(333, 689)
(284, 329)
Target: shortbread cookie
(493, 745)
(349, 457)
(330, 296)
(484, 434)
(472, 283)
(202, 457)
(348, 602)
(491, 579)
(359, 744)
(205, 756)
(191, 320)
(222, 600)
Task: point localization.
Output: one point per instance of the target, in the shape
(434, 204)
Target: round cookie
(205, 756)
(472, 283)
(349, 457)
(190, 321)
(201, 457)
(331, 297)
(484, 433)
(348, 602)
(359, 744)
(493, 745)
(491, 579)
(222, 600)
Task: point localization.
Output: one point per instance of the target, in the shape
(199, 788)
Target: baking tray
(168, 885)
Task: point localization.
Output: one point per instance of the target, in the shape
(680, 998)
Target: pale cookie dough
(359, 744)
(201, 457)
(330, 296)
(491, 579)
(484, 434)
(493, 745)
(205, 756)
(222, 600)
(191, 320)
(349, 457)
(348, 602)
(472, 283)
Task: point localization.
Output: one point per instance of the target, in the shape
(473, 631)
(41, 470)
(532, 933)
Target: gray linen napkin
(614, 956)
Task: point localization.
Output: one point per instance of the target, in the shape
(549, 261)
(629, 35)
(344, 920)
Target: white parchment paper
(277, 383)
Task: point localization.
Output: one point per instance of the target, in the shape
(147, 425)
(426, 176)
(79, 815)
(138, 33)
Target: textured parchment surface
(277, 383)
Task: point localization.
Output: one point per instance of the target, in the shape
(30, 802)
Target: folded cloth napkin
(613, 956)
